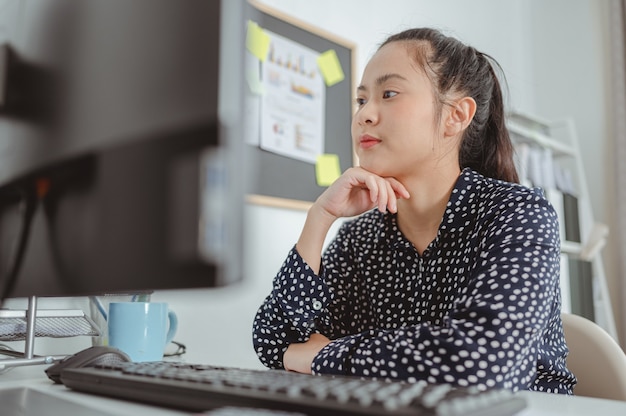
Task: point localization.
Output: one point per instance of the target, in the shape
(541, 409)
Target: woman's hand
(299, 357)
(355, 192)
(359, 190)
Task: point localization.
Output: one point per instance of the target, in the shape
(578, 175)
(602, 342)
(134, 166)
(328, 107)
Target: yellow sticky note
(330, 67)
(257, 41)
(327, 169)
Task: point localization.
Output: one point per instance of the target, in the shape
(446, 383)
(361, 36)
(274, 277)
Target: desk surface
(26, 391)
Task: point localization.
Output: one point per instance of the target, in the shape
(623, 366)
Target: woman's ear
(460, 116)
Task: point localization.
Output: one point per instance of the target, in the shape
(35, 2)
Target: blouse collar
(459, 211)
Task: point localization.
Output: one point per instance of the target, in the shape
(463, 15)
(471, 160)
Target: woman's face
(394, 129)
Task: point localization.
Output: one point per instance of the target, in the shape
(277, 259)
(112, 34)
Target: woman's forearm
(313, 235)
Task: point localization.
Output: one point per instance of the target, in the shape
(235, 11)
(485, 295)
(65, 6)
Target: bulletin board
(284, 181)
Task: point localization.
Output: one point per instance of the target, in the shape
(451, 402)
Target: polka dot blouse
(480, 306)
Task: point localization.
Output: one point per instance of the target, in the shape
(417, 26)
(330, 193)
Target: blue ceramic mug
(141, 329)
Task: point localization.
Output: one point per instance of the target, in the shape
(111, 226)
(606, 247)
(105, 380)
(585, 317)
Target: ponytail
(487, 148)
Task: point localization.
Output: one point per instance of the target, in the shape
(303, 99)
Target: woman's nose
(367, 114)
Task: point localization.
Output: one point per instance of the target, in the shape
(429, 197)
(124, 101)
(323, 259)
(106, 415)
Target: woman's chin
(376, 170)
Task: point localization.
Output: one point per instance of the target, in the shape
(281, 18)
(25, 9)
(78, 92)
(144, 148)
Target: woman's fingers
(384, 192)
(372, 185)
(359, 190)
(391, 198)
(399, 189)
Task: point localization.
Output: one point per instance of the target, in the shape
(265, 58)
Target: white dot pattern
(480, 306)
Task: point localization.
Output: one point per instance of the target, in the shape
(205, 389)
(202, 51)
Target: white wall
(570, 41)
(553, 55)
(492, 26)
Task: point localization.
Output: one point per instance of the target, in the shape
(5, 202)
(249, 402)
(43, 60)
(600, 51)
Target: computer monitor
(121, 158)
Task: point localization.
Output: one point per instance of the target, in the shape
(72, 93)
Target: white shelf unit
(559, 138)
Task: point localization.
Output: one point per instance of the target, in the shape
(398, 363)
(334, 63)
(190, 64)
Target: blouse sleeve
(492, 336)
(289, 314)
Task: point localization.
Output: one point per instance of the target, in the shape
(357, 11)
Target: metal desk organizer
(18, 325)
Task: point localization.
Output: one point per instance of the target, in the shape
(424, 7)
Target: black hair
(454, 67)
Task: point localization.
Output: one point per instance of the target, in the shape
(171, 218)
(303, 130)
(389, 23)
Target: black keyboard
(200, 388)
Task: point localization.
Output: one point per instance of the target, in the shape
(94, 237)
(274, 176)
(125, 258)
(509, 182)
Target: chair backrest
(595, 358)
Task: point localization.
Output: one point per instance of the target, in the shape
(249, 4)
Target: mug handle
(171, 331)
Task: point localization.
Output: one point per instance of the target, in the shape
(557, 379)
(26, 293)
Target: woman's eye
(389, 94)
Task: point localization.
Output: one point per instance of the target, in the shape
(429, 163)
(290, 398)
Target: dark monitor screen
(121, 158)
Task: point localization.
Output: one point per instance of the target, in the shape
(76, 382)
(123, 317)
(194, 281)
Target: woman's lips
(367, 141)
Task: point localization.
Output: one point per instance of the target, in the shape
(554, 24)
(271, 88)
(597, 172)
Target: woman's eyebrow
(382, 79)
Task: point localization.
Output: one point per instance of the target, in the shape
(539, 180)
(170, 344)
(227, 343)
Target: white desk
(546, 404)
(27, 392)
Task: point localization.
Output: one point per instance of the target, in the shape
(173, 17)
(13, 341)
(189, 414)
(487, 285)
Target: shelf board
(532, 136)
(48, 323)
(570, 247)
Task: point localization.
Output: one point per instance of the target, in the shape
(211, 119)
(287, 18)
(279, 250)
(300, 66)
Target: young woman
(454, 277)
